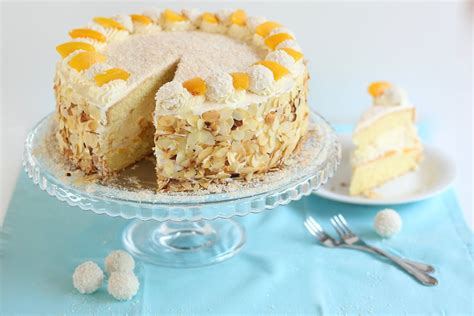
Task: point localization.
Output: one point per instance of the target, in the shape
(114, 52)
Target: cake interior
(386, 149)
(155, 59)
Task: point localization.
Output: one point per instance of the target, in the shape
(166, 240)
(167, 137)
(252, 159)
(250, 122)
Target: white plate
(434, 175)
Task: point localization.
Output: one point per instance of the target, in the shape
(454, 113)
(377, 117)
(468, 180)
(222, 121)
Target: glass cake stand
(186, 229)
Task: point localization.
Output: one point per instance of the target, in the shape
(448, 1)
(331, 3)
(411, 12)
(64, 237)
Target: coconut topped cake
(214, 95)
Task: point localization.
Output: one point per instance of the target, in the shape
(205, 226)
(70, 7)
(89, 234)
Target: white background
(425, 47)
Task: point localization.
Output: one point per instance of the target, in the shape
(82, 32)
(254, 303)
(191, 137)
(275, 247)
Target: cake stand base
(184, 244)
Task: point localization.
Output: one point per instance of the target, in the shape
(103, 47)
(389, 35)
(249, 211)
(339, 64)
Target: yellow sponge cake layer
(375, 173)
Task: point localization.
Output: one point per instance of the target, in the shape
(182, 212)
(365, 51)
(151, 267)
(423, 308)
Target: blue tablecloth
(280, 270)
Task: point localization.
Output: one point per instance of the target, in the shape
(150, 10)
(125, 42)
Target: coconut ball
(87, 277)
(123, 285)
(119, 260)
(387, 223)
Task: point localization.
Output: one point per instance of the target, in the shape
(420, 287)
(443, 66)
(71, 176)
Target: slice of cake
(213, 95)
(385, 138)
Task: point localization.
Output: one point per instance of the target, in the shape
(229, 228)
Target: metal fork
(342, 228)
(316, 230)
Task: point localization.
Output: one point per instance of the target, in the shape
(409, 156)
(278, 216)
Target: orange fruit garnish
(273, 41)
(88, 33)
(110, 23)
(67, 48)
(266, 27)
(293, 53)
(195, 86)
(240, 80)
(171, 16)
(378, 88)
(84, 60)
(278, 70)
(209, 18)
(143, 19)
(238, 17)
(109, 75)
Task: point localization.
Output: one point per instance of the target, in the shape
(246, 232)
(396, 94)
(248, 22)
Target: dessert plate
(435, 174)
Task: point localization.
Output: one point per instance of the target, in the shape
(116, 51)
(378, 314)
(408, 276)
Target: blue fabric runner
(280, 270)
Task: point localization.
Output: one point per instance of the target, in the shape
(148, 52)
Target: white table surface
(425, 47)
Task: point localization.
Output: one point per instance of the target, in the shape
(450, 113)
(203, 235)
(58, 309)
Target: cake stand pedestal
(187, 229)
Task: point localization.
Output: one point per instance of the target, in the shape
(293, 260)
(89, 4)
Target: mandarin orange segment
(195, 86)
(172, 16)
(378, 88)
(88, 33)
(138, 18)
(110, 75)
(209, 18)
(278, 70)
(240, 80)
(266, 27)
(109, 23)
(273, 41)
(238, 17)
(84, 60)
(293, 53)
(67, 48)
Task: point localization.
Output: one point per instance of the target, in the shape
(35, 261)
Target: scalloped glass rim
(209, 207)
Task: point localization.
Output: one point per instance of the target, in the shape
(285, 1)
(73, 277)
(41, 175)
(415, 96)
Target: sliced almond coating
(88, 33)
(110, 75)
(273, 41)
(172, 16)
(138, 18)
(238, 17)
(278, 70)
(110, 23)
(67, 48)
(84, 60)
(195, 86)
(240, 80)
(209, 18)
(293, 53)
(378, 88)
(265, 28)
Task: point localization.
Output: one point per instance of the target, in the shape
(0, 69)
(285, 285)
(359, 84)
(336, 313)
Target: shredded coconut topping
(219, 87)
(261, 80)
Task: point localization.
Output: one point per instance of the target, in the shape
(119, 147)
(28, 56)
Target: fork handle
(418, 265)
(422, 277)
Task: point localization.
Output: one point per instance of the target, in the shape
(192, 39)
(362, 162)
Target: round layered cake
(213, 95)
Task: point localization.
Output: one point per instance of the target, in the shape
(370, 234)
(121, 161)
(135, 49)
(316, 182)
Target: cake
(213, 95)
(386, 140)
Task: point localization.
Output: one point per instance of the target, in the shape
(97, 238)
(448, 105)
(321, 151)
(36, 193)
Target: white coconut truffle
(223, 15)
(123, 285)
(87, 277)
(172, 96)
(281, 57)
(220, 87)
(261, 80)
(125, 20)
(254, 21)
(192, 14)
(119, 260)
(393, 96)
(387, 223)
(154, 14)
(289, 44)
